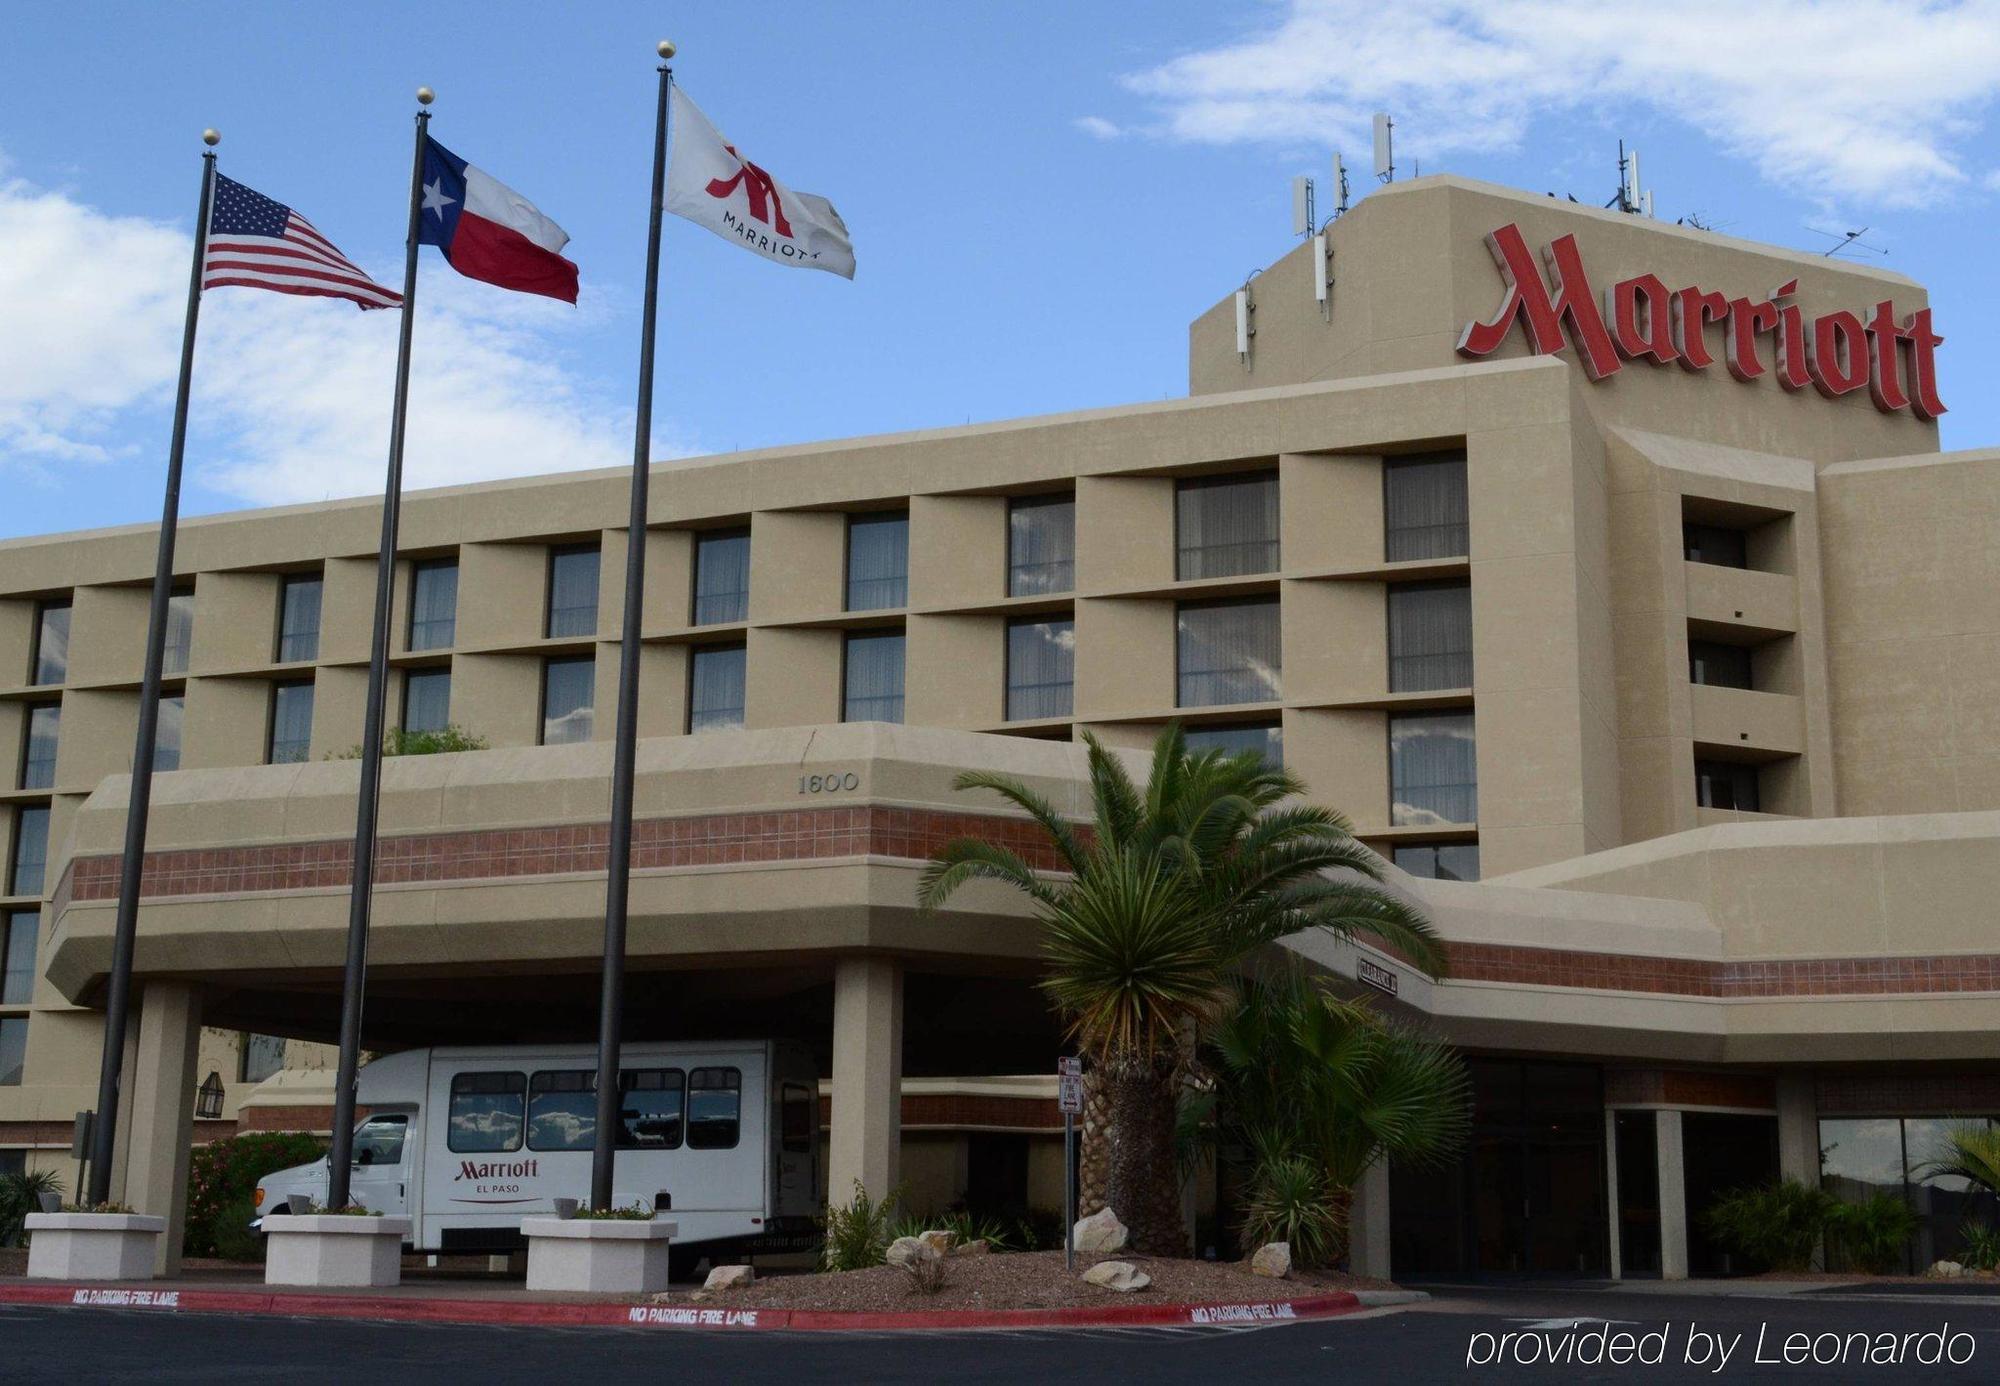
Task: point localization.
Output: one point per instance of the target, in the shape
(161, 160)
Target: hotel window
(13, 1050)
(572, 592)
(568, 694)
(1265, 739)
(1443, 861)
(167, 736)
(873, 678)
(715, 688)
(1719, 665)
(1041, 669)
(17, 956)
(878, 561)
(38, 758)
(31, 851)
(434, 604)
(263, 1055)
(1041, 545)
(1723, 547)
(1424, 507)
(180, 632)
(1227, 652)
(1726, 784)
(1433, 774)
(291, 723)
(1430, 636)
(52, 642)
(298, 618)
(1226, 526)
(426, 700)
(722, 577)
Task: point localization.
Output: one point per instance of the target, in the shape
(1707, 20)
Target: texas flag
(488, 231)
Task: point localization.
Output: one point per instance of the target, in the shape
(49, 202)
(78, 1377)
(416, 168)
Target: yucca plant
(1971, 1152)
(1979, 1246)
(1290, 1200)
(20, 1195)
(1161, 899)
(857, 1236)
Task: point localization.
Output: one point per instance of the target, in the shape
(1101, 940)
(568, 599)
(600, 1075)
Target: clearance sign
(1643, 319)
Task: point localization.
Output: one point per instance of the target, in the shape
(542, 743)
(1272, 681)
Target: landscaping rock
(904, 1250)
(1101, 1232)
(938, 1240)
(1945, 1270)
(729, 1278)
(1273, 1259)
(975, 1248)
(1121, 1276)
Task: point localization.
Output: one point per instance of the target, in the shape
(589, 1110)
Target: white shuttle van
(467, 1142)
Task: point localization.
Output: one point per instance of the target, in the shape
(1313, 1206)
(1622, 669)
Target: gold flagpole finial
(211, 137)
(667, 49)
(425, 96)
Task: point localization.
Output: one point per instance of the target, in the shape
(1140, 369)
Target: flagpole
(340, 1158)
(618, 863)
(117, 1004)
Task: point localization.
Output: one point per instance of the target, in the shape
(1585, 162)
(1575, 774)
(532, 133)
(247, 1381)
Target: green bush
(1979, 1247)
(634, 1211)
(396, 742)
(858, 1235)
(20, 1195)
(1871, 1236)
(1290, 1200)
(224, 1173)
(230, 1234)
(1778, 1226)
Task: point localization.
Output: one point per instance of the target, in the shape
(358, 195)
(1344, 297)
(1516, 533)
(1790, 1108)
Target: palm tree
(1970, 1152)
(1163, 897)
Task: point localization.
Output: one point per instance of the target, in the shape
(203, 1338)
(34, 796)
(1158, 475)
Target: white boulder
(905, 1250)
(1101, 1232)
(938, 1240)
(1946, 1270)
(729, 1278)
(1121, 1276)
(1273, 1259)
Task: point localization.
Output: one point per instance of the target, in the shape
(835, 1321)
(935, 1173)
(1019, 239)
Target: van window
(795, 1120)
(379, 1141)
(715, 1107)
(649, 1109)
(562, 1110)
(487, 1110)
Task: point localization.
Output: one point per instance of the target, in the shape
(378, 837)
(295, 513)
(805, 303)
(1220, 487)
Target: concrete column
(1613, 1239)
(867, 1129)
(1368, 1224)
(1798, 1129)
(1673, 1199)
(162, 1084)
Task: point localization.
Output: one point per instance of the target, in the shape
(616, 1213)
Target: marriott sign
(1642, 319)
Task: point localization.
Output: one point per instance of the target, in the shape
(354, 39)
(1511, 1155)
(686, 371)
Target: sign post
(1069, 1095)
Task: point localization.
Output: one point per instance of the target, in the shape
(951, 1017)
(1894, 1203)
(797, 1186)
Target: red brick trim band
(1490, 962)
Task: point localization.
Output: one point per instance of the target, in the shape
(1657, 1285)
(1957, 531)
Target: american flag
(261, 244)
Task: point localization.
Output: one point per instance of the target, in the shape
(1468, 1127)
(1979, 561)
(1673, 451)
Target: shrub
(396, 742)
(1778, 1225)
(858, 1235)
(1979, 1247)
(20, 1195)
(224, 1173)
(1291, 1201)
(231, 1236)
(926, 1273)
(634, 1212)
(1871, 1236)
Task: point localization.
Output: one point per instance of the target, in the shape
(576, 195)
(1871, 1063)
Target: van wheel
(681, 1263)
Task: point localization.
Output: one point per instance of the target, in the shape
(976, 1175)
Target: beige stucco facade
(1838, 930)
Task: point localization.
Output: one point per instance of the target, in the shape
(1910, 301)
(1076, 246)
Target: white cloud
(1850, 99)
(1098, 127)
(291, 394)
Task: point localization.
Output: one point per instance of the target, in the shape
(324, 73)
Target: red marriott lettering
(1641, 318)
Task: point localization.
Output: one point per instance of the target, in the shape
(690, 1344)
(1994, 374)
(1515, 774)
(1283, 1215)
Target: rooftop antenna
(1385, 148)
(1339, 184)
(1630, 197)
(1846, 239)
(1302, 207)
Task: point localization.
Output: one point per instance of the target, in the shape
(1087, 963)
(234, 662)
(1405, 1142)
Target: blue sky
(1041, 197)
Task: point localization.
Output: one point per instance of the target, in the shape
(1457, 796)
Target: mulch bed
(1029, 1280)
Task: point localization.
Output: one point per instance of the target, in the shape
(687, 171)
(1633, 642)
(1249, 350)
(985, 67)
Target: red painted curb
(705, 1316)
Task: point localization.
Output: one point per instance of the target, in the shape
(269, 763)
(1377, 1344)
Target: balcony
(1742, 720)
(1740, 605)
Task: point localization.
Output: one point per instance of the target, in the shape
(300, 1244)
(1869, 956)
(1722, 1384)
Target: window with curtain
(180, 632)
(1227, 652)
(1430, 636)
(1726, 784)
(1440, 861)
(874, 677)
(1226, 525)
(17, 956)
(721, 577)
(1041, 668)
(52, 642)
(716, 687)
(878, 560)
(1424, 507)
(1433, 774)
(434, 604)
(38, 757)
(167, 736)
(13, 1050)
(291, 723)
(1265, 739)
(1722, 666)
(572, 592)
(263, 1055)
(298, 618)
(31, 851)
(568, 700)
(1041, 545)
(426, 700)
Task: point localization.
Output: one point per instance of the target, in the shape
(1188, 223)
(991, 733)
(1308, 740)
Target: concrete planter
(602, 1257)
(333, 1249)
(92, 1246)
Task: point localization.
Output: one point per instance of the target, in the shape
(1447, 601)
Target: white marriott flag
(709, 183)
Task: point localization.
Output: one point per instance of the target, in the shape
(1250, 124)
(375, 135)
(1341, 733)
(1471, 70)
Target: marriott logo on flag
(708, 182)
